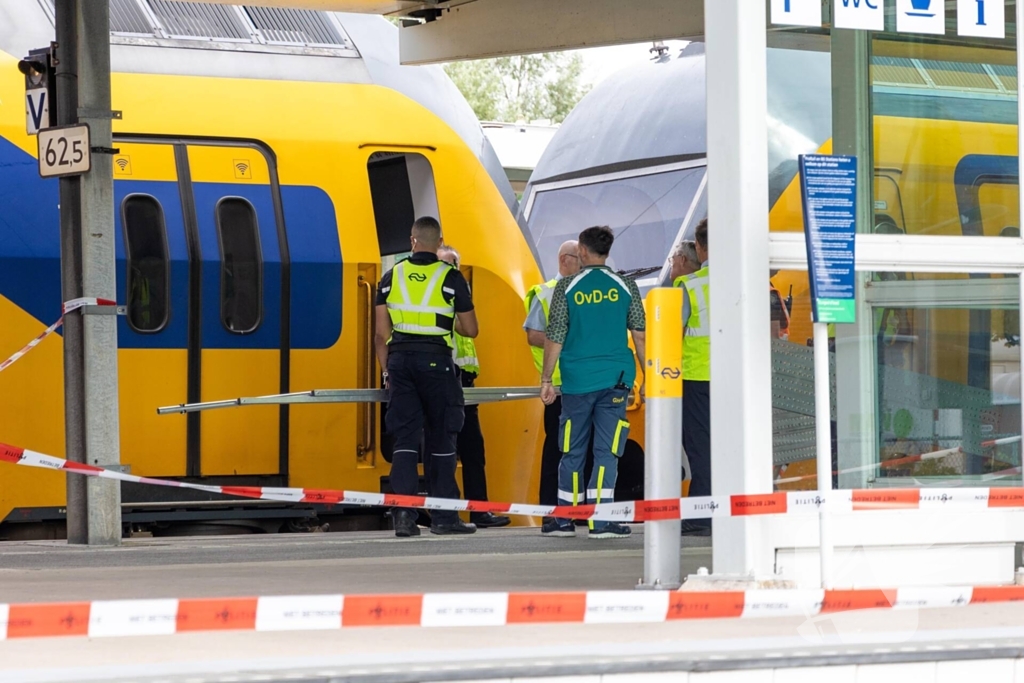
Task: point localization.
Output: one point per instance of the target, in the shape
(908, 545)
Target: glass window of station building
(926, 385)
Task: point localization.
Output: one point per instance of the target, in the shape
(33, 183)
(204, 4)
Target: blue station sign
(828, 186)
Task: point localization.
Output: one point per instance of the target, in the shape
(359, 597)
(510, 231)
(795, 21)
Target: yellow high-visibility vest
(543, 292)
(697, 335)
(416, 301)
(465, 354)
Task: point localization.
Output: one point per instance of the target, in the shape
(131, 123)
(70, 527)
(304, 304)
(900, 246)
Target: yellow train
(945, 135)
(271, 163)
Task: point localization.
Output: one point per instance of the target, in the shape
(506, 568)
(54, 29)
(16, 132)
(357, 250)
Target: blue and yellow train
(270, 164)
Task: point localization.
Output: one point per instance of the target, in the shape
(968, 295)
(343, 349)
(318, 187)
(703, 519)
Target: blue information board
(828, 186)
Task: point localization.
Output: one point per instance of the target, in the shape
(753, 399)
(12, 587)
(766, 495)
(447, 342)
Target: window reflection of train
(633, 155)
(253, 217)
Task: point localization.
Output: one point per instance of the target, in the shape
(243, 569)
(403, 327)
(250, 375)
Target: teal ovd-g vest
(596, 353)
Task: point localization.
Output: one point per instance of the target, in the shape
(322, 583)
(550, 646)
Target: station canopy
(474, 29)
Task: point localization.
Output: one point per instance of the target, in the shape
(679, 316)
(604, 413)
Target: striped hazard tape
(112, 618)
(72, 305)
(782, 502)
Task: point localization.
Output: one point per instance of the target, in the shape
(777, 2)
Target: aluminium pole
(99, 332)
(664, 436)
(66, 12)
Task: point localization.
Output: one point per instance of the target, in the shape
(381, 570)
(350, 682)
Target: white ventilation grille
(127, 17)
(171, 23)
(199, 20)
(293, 27)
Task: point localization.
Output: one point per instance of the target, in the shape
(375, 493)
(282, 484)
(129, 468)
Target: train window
(644, 211)
(145, 239)
(241, 266)
(402, 190)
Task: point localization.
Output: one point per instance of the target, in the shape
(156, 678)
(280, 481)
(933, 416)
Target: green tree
(478, 85)
(522, 88)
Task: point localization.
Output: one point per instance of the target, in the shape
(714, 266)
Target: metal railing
(473, 396)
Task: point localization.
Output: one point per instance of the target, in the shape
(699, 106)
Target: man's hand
(547, 393)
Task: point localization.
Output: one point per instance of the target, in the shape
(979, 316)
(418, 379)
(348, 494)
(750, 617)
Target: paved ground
(364, 562)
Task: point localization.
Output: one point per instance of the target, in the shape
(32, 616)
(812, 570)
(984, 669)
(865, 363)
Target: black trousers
(424, 404)
(697, 437)
(551, 455)
(470, 446)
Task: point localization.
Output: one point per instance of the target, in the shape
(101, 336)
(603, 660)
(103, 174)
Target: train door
(152, 281)
(402, 190)
(242, 336)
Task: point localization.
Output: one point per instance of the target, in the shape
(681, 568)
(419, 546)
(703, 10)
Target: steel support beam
(491, 28)
(87, 255)
(741, 402)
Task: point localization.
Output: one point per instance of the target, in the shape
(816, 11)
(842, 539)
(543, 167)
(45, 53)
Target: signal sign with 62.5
(64, 151)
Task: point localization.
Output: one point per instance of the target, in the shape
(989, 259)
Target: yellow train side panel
(32, 409)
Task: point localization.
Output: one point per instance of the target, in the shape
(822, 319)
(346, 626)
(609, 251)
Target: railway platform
(325, 563)
(881, 645)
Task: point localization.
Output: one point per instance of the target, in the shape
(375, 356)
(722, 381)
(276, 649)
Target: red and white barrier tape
(782, 502)
(72, 305)
(100, 619)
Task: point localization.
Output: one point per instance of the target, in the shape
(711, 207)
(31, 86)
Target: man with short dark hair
(591, 312)
(420, 303)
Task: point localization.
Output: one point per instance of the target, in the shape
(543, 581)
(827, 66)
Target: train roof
(241, 41)
(655, 113)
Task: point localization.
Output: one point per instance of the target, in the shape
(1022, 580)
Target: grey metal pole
(663, 459)
(94, 436)
(66, 12)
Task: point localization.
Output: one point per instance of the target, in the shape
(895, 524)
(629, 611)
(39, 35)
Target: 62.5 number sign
(64, 151)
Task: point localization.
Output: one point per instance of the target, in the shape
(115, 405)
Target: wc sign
(863, 15)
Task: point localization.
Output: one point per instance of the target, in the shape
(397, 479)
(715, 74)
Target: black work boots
(405, 523)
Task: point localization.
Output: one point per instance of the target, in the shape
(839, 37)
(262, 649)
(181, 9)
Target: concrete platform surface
(352, 562)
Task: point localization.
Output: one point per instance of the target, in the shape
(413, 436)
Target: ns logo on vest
(596, 297)
(418, 277)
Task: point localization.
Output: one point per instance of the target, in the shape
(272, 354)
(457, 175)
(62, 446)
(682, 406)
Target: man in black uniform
(420, 302)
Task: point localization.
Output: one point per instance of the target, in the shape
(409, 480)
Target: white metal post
(741, 405)
(823, 438)
(1019, 27)
(663, 461)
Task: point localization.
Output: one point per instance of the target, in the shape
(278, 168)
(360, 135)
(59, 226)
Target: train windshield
(646, 211)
